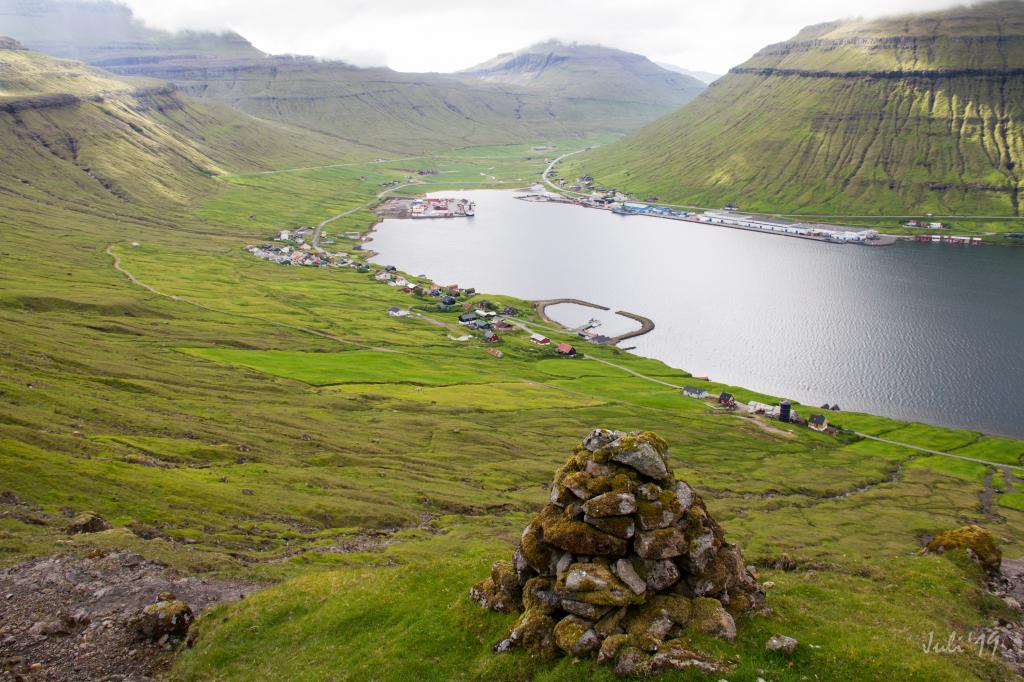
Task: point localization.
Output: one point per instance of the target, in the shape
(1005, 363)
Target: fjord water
(913, 331)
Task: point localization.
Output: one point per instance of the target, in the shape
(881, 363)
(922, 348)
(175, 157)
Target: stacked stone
(622, 562)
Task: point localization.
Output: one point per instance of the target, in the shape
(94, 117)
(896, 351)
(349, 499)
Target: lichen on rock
(624, 559)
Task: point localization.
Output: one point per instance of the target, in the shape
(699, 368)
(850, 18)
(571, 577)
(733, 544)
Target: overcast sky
(447, 35)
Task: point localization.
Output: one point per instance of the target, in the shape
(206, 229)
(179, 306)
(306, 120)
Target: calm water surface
(925, 332)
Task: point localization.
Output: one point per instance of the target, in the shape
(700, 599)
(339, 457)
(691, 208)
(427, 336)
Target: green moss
(979, 541)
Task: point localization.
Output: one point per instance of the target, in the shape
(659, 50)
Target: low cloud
(447, 35)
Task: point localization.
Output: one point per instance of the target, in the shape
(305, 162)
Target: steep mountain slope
(378, 107)
(599, 75)
(921, 113)
(83, 137)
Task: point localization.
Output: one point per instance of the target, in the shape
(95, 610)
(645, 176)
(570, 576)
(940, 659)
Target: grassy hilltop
(233, 417)
(905, 115)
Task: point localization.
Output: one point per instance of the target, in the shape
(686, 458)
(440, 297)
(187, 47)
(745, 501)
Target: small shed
(818, 422)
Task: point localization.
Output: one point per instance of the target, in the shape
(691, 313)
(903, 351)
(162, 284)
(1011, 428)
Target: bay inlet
(933, 333)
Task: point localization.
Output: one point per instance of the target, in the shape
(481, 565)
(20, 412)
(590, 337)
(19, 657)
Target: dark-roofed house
(727, 399)
(818, 422)
(466, 318)
(694, 392)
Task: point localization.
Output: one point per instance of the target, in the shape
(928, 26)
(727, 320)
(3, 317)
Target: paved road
(380, 195)
(551, 167)
(939, 452)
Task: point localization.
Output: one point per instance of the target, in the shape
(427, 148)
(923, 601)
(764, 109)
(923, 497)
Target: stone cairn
(621, 565)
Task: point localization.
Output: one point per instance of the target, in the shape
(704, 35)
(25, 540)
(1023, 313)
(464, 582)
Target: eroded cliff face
(844, 118)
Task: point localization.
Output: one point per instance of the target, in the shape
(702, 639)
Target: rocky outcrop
(7, 43)
(621, 563)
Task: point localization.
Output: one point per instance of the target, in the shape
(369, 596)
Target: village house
(397, 312)
(727, 399)
(539, 340)
(694, 392)
(490, 337)
(467, 318)
(566, 349)
(818, 422)
(495, 352)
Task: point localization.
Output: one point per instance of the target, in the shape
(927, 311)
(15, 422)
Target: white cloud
(446, 35)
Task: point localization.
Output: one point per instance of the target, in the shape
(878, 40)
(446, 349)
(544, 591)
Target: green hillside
(230, 417)
(914, 114)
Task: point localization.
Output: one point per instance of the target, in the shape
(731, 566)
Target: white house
(694, 392)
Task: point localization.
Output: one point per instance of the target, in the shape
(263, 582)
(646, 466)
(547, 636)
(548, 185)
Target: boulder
(781, 644)
(87, 522)
(167, 616)
(622, 560)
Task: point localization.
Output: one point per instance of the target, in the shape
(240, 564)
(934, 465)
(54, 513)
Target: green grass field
(387, 465)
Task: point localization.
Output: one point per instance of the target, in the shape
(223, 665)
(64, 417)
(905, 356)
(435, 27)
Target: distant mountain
(702, 76)
(106, 33)
(377, 107)
(609, 80)
(911, 114)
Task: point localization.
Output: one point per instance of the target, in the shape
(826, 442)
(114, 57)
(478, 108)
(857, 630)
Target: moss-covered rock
(710, 617)
(976, 541)
(534, 631)
(538, 553)
(87, 522)
(646, 453)
(610, 504)
(594, 583)
(663, 543)
(575, 636)
(578, 537)
(539, 595)
(620, 526)
(500, 591)
(168, 616)
(610, 648)
(631, 660)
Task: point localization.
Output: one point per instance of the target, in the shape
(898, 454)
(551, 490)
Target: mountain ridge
(846, 119)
